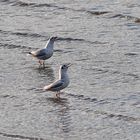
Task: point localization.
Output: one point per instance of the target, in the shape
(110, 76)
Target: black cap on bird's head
(53, 38)
(65, 66)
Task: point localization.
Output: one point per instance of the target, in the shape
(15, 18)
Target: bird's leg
(58, 94)
(40, 62)
(43, 64)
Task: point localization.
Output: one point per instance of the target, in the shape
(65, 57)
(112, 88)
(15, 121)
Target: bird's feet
(58, 94)
(41, 63)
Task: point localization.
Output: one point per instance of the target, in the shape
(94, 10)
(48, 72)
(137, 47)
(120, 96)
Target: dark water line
(136, 19)
(28, 34)
(104, 113)
(36, 35)
(20, 136)
(24, 34)
(80, 40)
(111, 71)
(118, 116)
(91, 100)
(95, 13)
(25, 4)
(13, 46)
(131, 54)
(82, 97)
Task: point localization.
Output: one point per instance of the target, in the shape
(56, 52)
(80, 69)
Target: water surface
(101, 39)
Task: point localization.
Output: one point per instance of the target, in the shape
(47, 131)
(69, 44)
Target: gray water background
(102, 40)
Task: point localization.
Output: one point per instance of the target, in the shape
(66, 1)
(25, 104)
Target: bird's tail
(30, 53)
(45, 88)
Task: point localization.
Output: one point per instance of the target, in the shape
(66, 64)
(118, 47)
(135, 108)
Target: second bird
(45, 53)
(62, 82)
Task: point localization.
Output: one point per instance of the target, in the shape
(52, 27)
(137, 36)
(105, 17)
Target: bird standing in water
(62, 82)
(45, 53)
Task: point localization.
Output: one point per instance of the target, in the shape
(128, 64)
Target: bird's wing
(40, 53)
(54, 85)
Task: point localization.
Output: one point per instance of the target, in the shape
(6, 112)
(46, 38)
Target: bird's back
(56, 86)
(43, 53)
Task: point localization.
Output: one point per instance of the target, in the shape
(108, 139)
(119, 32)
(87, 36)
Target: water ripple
(131, 54)
(19, 136)
(114, 72)
(36, 35)
(82, 97)
(24, 34)
(97, 12)
(7, 96)
(118, 116)
(13, 46)
(27, 4)
(104, 101)
(80, 40)
(136, 19)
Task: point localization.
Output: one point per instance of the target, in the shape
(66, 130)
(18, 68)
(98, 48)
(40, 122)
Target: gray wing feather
(40, 53)
(56, 85)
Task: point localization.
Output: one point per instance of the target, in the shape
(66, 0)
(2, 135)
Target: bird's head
(65, 67)
(53, 38)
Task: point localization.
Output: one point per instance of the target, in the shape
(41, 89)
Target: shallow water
(101, 39)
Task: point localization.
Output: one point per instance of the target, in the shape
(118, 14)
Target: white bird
(62, 82)
(45, 53)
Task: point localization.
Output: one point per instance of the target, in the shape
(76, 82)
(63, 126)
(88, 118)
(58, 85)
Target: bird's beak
(69, 64)
(55, 38)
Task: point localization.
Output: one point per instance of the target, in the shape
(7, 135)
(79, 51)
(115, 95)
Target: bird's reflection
(46, 71)
(58, 101)
(63, 113)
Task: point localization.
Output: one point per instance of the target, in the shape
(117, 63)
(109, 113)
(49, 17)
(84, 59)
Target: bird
(62, 82)
(45, 53)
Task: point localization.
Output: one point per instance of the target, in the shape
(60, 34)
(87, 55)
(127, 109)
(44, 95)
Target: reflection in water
(46, 72)
(63, 113)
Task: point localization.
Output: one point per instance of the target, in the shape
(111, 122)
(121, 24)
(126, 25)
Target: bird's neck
(63, 76)
(50, 45)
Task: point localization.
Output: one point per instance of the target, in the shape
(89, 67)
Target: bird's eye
(63, 66)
